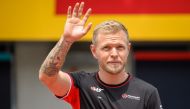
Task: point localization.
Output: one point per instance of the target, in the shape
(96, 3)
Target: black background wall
(6, 51)
(171, 78)
(171, 75)
(5, 85)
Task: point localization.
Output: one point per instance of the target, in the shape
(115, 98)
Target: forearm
(56, 58)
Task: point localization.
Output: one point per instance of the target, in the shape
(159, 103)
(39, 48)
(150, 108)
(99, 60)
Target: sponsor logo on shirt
(96, 89)
(126, 96)
(161, 107)
(99, 97)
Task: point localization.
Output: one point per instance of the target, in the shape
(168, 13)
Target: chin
(114, 71)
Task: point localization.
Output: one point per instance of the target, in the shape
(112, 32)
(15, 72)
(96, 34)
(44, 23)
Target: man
(109, 88)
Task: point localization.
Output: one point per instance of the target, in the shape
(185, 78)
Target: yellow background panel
(35, 20)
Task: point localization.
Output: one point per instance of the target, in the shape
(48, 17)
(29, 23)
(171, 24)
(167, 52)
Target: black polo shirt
(89, 92)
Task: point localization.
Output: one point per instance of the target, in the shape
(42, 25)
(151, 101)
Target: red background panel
(128, 6)
(162, 55)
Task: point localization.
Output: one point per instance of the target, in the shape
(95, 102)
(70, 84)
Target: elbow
(41, 75)
(45, 79)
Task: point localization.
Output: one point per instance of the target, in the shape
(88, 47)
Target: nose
(114, 53)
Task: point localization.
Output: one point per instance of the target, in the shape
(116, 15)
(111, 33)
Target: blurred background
(159, 32)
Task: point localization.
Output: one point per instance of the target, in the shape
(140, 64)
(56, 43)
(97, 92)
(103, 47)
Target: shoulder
(142, 85)
(81, 74)
(80, 78)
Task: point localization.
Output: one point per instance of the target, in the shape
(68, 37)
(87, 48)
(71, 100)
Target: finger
(69, 12)
(75, 10)
(80, 9)
(87, 28)
(86, 16)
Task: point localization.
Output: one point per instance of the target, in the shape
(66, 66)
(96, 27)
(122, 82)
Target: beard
(113, 69)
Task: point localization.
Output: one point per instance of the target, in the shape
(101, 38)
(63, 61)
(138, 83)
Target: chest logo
(126, 96)
(96, 89)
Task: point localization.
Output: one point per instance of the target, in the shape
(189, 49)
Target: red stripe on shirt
(73, 96)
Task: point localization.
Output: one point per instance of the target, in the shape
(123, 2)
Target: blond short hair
(108, 27)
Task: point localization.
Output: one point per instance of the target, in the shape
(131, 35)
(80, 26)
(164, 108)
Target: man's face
(111, 51)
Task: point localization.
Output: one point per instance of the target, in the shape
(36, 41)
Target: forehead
(119, 37)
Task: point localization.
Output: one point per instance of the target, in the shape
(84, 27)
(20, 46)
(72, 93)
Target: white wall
(30, 93)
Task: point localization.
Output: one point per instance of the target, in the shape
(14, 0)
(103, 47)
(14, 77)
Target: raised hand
(75, 25)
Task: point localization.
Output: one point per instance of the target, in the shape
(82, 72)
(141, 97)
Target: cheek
(102, 56)
(124, 56)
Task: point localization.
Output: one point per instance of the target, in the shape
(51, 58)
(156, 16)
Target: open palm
(75, 26)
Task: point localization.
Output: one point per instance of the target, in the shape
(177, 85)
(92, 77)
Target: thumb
(87, 28)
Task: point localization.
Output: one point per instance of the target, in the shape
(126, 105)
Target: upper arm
(58, 84)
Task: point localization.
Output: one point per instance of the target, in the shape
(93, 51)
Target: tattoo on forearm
(55, 59)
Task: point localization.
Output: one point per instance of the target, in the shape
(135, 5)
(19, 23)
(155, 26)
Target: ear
(93, 50)
(129, 46)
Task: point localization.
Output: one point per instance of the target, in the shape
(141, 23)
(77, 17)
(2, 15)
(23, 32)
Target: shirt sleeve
(73, 96)
(154, 101)
(76, 77)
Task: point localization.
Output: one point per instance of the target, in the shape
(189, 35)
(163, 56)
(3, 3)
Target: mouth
(114, 62)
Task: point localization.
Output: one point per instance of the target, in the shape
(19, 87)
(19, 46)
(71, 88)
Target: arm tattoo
(56, 58)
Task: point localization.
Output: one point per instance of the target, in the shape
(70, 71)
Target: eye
(120, 47)
(106, 48)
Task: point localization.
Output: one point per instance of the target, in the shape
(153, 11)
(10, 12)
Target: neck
(112, 79)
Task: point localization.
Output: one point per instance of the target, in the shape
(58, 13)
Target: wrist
(67, 40)
(64, 40)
